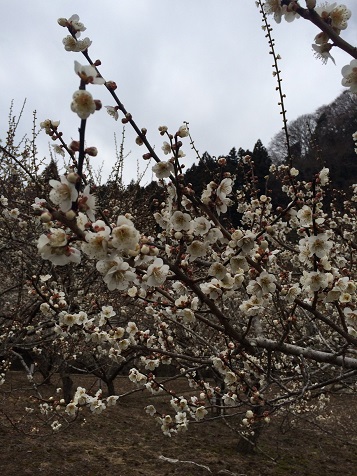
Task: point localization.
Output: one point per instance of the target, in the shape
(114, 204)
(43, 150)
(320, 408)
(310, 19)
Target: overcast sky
(201, 61)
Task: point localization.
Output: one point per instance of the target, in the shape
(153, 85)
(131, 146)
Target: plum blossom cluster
(334, 16)
(95, 403)
(238, 309)
(280, 9)
(72, 41)
(82, 101)
(240, 268)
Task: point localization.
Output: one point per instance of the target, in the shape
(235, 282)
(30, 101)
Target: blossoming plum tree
(258, 317)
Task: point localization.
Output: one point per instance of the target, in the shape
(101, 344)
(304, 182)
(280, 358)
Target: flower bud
(70, 215)
(72, 177)
(111, 85)
(92, 151)
(264, 244)
(311, 4)
(74, 145)
(145, 249)
(98, 104)
(46, 217)
(62, 22)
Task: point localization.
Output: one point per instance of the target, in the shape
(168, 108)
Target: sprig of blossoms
(73, 24)
(280, 8)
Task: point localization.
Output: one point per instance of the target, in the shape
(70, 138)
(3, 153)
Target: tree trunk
(67, 386)
(110, 387)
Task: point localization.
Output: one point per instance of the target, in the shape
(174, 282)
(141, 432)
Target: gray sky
(201, 61)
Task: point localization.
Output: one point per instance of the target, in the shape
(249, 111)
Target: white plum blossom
(14, 213)
(230, 399)
(87, 203)
(157, 273)
(319, 245)
(266, 282)
(88, 73)
(124, 236)
(188, 316)
(246, 242)
(212, 289)
(120, 275)
(230, 378)
(63, 193)
(49, 126)
(112, 111)
(200, 226)
(224, 188)
(83, 104)
(182, 301)
(179, 288)
(336, 16)
(252, 307)
(207, 193)
(68, 320)
(71, 409)
(218, 270)
(58, 150)
(315, 280)
(222, 204)
(213, 235)
(137, 377)
(342, 290)
(305, 216)
(150, 410)
(322, 52)
(289, 12)
(75, 24)
(72, 44)
(273, 7)
(131, 328)
(349, 73)
(304, 252)
(196, 249)
(166, 148)
(112, 400)
(293, 293)
(163, 169)
(180, 221)
(54, 247)
(238, 264)
(56, 425)
(351, 317)
(324, 176)
(200, 412)
(183, 131)
(96, 245)
(107, 312)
